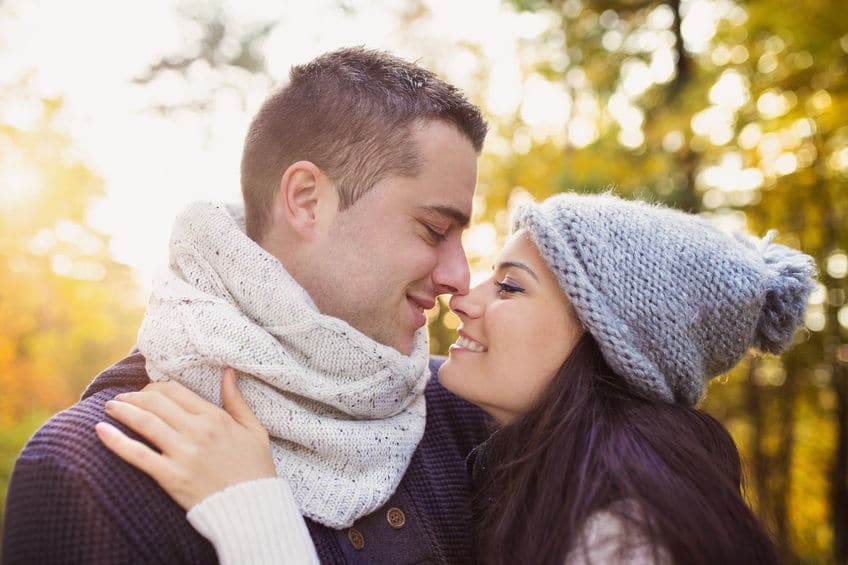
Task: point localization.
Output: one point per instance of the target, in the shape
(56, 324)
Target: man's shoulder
(68, 438)
(68, 493)
(129, 373)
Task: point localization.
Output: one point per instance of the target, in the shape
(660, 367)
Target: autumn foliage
(67, 310)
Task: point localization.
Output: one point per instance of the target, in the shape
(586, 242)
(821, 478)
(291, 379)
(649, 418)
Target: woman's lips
(467, 343)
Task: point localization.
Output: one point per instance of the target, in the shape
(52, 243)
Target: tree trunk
(687, 161)
(839, 470)
(782, 464)
(757, 463)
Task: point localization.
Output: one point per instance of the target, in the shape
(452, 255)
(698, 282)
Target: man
(357, 180)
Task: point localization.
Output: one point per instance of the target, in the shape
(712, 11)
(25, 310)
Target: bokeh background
(114, 115)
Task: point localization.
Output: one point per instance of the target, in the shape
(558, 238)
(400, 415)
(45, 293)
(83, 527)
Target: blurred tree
(226, 53)
(67, 309)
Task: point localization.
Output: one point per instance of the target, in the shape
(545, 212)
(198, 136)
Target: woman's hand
(204, 449)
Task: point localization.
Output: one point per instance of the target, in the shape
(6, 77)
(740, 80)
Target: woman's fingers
(235, 404)
(133, 451)
(159, 401)
(188, 400)
(204, 449)
(173, 478)
(145, 422)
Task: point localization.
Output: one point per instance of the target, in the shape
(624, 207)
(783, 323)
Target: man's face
(399, 246)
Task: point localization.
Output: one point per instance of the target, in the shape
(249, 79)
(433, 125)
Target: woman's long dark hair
(592, 442)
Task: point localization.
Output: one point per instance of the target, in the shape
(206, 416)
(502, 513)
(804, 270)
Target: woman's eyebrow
(517, 265)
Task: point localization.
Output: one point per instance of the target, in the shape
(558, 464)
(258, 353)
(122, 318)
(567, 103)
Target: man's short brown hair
(350, 112)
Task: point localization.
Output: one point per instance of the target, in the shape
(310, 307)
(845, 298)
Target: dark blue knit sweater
(71, 501)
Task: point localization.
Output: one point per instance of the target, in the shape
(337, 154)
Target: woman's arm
(215, 463)
(256, 522)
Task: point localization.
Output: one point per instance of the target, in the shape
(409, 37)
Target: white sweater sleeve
(255, 523)
(608, 538)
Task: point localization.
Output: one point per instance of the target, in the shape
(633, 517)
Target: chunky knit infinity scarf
(344, 413)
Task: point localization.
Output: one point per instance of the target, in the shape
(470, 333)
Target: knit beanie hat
(671, 300)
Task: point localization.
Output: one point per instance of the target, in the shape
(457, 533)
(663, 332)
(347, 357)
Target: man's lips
(424, 303)
(418, 304)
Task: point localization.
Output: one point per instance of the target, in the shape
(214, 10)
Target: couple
(595, 335)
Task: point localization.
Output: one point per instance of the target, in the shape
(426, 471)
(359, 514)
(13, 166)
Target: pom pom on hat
(671, 300)
(789, 281)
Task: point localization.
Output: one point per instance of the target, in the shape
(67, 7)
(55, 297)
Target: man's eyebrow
(517, 265)
(460, 218)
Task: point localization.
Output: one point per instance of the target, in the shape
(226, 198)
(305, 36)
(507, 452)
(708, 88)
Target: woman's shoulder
(618, 533)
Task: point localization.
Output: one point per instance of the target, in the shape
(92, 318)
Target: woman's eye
(507, 288)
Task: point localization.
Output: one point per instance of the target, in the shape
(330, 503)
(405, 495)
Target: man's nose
(451, 275)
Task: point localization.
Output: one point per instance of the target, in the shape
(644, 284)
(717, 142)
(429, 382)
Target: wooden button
(396, 518)
(356, 539)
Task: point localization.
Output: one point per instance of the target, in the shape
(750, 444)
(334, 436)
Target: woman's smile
(466, 343)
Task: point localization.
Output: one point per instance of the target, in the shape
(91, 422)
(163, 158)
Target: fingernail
(104, 428)
(119, 396)
(112, 404)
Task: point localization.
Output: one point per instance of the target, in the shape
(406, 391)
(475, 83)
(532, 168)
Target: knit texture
(256, 522)
(344, 412)
(71, 501)
(671, 300)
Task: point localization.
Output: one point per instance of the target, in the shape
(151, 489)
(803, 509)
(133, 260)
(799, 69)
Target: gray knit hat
(671, 300)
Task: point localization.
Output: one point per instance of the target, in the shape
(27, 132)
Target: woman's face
(517, 329)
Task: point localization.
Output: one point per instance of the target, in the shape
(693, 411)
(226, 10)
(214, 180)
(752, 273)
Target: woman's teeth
(469, 344)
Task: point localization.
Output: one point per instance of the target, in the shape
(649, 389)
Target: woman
(590, 344)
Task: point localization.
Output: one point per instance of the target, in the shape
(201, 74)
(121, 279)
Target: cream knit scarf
(344, 413)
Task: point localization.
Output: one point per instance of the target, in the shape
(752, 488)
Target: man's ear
(307, 198)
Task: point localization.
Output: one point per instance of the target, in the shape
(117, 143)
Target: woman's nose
(470, 305)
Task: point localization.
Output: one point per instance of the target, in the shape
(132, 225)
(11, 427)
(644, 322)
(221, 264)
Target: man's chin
(402, 344)
(406, 347)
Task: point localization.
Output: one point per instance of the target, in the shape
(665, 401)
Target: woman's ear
(307, 199)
